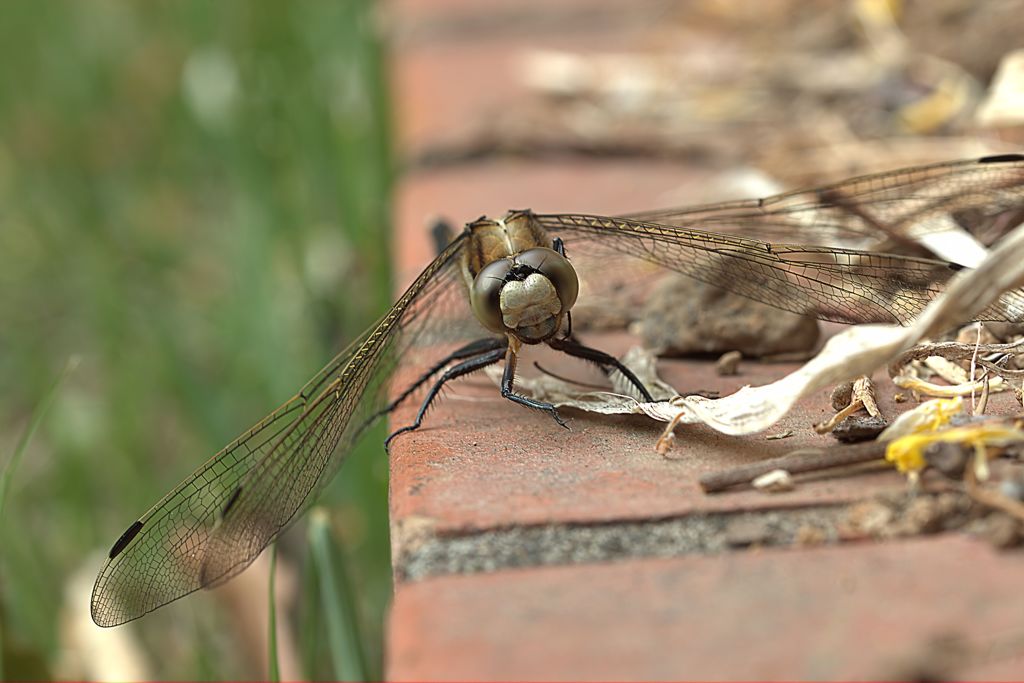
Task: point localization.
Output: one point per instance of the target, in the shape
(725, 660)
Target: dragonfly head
(526, 295)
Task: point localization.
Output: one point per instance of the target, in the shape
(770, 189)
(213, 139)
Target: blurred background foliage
(194, 203)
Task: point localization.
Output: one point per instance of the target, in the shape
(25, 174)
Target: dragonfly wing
(986, 194)
(843, 285)
(217, 521)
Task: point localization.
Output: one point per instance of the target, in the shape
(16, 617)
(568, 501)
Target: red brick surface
(855, 612)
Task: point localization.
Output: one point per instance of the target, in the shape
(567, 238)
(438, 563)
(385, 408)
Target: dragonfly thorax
(526, 295)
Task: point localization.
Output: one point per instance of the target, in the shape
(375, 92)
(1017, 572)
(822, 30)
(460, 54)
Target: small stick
(974, 369)
(668, 436)
(830, 424)
(983, 401)
(803, 460)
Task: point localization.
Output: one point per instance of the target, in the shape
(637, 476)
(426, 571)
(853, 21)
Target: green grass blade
(337, 601)
(7, 475)
(274, 671)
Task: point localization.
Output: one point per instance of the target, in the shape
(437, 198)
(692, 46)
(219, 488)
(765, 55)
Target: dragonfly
(503, 284)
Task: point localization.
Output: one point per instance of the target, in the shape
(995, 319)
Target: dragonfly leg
(572, 347)
(508, 378)
(471, 349)
(481, 360)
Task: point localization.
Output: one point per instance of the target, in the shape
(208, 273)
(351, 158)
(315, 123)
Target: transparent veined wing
(986, 195)
(218, 520)
(841, 285)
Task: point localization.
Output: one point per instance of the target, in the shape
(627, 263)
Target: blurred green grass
(194, 200)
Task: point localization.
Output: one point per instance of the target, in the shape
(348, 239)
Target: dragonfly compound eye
(538, 290)
(555, 268)
(485, 294)
(525, 295)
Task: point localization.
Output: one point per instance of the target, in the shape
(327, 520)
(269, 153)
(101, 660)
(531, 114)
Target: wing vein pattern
(274, 470)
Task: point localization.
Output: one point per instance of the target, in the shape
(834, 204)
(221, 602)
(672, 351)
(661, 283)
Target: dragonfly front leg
(464, 368)
(508, 379)
(471, 349)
